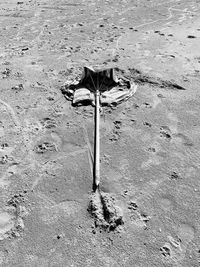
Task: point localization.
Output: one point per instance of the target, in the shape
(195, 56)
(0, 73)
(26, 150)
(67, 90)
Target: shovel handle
(97, 141)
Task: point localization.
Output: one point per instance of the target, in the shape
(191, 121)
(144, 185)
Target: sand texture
(148, 210)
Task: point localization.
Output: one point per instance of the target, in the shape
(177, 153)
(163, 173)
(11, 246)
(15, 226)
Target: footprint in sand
(151, 149)
(177, 136)
(137, 217)
(186, 233)
(45, 147)
(166, 250)
(5, 154)
(155, 147)
(11, 222)
(146, 105)
(6, 224)
(48, 123)
(172, 250)
(147, 124)
(165, 132)
(116, 132)
(172, 253)
(175, 249)
(174, 176)
(171, 133)
(155, 155)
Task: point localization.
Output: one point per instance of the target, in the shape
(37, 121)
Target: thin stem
(92, 81)
(97, 144)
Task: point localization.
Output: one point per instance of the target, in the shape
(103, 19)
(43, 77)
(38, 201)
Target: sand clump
(106, 214)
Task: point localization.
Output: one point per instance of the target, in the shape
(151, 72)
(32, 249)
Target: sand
(150, 146)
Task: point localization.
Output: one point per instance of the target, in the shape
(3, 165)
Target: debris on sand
(116, 131)
(16, 200)
(142, 78)
(44, 147)
(48, 123)
(4, 159)
(175, 176)
(18, 87)
(191, 36)
(166, 250)
(6, 73)
(107, 215)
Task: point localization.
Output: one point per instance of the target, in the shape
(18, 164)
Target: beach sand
(150, 145)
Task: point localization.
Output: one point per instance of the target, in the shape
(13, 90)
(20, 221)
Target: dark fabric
(112, 91)
(102, 80)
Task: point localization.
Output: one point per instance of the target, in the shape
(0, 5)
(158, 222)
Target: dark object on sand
(191, 36)
(112, 89)
(100, 88)
(17, 88)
